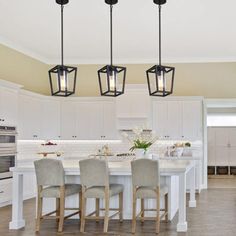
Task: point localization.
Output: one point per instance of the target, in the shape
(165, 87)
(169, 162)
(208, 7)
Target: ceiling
(193, 31)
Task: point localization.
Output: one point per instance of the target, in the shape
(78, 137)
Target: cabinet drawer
(5, 191)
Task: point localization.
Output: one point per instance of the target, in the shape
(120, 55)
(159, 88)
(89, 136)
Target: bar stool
(95, 184)
(51, 184)
(146, 185)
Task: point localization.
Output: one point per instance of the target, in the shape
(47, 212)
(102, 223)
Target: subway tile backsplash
(80, 149)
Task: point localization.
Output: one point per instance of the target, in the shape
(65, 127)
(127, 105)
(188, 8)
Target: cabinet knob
(1, 191)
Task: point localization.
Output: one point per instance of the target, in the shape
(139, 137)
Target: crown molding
(98, 61)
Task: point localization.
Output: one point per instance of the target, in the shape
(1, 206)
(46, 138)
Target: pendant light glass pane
(160, 80)
(112, 80)
(62, 80)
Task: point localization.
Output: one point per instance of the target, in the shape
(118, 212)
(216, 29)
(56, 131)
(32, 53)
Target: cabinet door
(89, 121)
(192, 119)
(222, 156)
(68, 120)
(211, 137)
(109, 121)
(232, 156)
(211, 156)
(160, 118)
(222, 137)
(8, 107)
(30, 117)
(232, 137)
(123, 106)
(50, 119)
(174, 125)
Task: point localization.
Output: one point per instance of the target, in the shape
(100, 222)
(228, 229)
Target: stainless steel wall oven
(7, 150)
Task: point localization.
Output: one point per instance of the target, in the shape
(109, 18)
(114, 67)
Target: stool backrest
(145, 172)
(49, 172)
(94, 172)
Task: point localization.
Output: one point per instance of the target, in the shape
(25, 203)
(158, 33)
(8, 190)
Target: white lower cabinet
(222, 148)
(29, 189)
(5, 191)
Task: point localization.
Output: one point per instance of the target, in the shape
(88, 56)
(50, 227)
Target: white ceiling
(193, 30)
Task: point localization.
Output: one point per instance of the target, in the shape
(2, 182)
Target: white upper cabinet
(8, 106)
(167, 119)
(192, 119)
(30, 117)
(174, 119)
(177, 119)
(88, 120)
(68, 120)
(109, 121)
(160, 118)
(50, 119)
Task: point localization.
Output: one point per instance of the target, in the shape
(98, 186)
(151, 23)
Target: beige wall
(212, 80)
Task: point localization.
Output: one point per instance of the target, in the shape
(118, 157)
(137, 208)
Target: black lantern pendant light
(160, 78)
(62, 78)
(111, 78)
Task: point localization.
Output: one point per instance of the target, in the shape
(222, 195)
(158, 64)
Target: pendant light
(62, 78)
(111, 78)
(160, 78)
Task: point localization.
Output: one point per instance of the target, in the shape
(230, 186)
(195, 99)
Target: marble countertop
(116, 168)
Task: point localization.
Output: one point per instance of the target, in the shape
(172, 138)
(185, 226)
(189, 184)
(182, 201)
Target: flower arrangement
(140, 139)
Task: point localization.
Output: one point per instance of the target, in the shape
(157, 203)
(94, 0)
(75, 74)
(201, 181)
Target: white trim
(28, 52)
(220, 103)
(11, 85)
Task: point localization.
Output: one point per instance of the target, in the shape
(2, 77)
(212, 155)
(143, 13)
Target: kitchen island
(173, 174)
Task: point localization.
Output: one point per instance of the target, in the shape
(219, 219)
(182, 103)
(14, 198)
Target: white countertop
(116, 168)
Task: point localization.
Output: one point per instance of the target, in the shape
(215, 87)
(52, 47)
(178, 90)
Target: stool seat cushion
(54, 191)
(99, 191)
(150, 192)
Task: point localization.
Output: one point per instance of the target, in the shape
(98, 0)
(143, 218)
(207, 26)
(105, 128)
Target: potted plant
(140, 140)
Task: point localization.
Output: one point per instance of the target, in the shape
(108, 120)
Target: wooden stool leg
(106, 218)
(57, 208)
(121, 206)
(39, 211)
(97, 208)
(134, 211)
(158, 212)
(62, 209)
(142, 209)
(83, 212)
(166, 207)
(80, 204)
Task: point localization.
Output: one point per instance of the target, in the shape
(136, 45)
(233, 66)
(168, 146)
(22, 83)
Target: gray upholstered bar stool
(51, 184)
(146, 185)
(94, 176)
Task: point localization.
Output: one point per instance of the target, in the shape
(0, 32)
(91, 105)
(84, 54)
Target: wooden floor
(214, 216)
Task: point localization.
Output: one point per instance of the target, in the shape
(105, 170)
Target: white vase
(139, 153)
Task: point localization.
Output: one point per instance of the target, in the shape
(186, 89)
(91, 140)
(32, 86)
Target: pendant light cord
(111, 38)
(159, 10)
(62, 39)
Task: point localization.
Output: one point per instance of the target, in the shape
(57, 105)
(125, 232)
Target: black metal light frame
(155, 71)
(105, 73)
(56, 72)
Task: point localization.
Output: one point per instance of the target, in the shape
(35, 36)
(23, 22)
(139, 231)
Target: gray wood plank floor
(215, 215)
